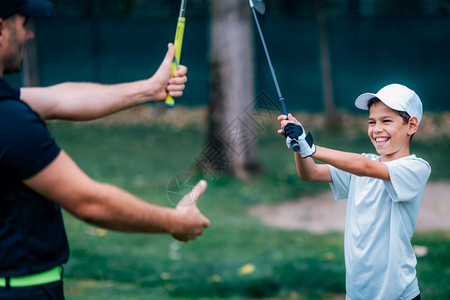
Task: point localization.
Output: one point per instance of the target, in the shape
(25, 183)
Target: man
(37, 177)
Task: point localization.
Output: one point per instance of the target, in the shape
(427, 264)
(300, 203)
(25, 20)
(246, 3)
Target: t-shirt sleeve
(408, 178)
(340, 183)
(26, 146)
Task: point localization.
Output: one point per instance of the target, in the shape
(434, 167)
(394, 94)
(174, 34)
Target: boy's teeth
(379, 140)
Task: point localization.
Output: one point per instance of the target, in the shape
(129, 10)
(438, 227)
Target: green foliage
(433, 270)
(238, 257)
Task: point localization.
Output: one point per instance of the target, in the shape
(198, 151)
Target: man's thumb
(169, 54)
(192, 197)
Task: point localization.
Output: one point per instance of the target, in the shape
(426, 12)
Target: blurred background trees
(325, 54)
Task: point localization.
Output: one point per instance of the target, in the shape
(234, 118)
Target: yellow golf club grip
(178, 43)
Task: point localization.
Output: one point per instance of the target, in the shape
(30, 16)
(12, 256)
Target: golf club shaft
(178, 42)
(294, 144)
(280, 96)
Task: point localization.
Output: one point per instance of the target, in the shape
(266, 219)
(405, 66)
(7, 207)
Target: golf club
(177, 45)
(260, 7)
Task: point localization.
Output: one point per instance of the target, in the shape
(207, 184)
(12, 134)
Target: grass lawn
(238, 257)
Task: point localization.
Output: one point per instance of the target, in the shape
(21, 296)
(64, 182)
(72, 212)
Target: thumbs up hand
(190, 220)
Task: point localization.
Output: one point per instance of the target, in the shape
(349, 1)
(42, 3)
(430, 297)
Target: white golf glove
(296, 134)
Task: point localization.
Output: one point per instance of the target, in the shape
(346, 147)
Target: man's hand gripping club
(292, 130)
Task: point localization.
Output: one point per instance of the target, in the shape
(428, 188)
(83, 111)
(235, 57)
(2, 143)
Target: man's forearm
(116, 209)
(111, 207)
(102, 204)
(89, 101)
(83, 101)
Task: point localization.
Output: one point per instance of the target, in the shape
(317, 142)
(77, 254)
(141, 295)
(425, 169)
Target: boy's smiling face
(389, 133)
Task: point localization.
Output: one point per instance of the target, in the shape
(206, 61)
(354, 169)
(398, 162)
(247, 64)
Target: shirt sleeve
(408, 178)
(26, 146)
(340, 184)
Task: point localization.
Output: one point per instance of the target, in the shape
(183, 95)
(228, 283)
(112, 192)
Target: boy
(384, 193)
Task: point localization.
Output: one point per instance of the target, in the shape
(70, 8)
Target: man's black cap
(30, 8)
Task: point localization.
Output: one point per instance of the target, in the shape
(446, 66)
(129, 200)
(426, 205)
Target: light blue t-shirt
(380, 222)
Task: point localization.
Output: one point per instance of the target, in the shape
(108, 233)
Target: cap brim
(38, 9)
(362, 100)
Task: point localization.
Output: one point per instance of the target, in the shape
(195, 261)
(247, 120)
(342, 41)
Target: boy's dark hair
(403, 114)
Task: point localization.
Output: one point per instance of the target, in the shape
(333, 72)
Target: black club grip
(295, 146)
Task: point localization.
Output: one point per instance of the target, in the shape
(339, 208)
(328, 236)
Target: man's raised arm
(82, 101)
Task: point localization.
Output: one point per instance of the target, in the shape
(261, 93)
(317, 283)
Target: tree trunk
(231, 146)
(95, 16)
(31, 76)
(332, 117)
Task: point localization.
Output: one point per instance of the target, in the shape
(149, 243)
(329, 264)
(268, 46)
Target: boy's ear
(413, 125)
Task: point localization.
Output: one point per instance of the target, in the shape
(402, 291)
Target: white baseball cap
(397, 97)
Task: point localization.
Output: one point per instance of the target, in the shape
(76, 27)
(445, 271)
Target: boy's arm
(356, 164)
(82, 101)
(308, 170)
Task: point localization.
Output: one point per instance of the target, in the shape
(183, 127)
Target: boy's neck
(394, 156)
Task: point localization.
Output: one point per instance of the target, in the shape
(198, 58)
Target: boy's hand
(294, 131)
(305, 141)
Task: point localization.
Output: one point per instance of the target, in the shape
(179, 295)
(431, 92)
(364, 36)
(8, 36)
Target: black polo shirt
(32, 234)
